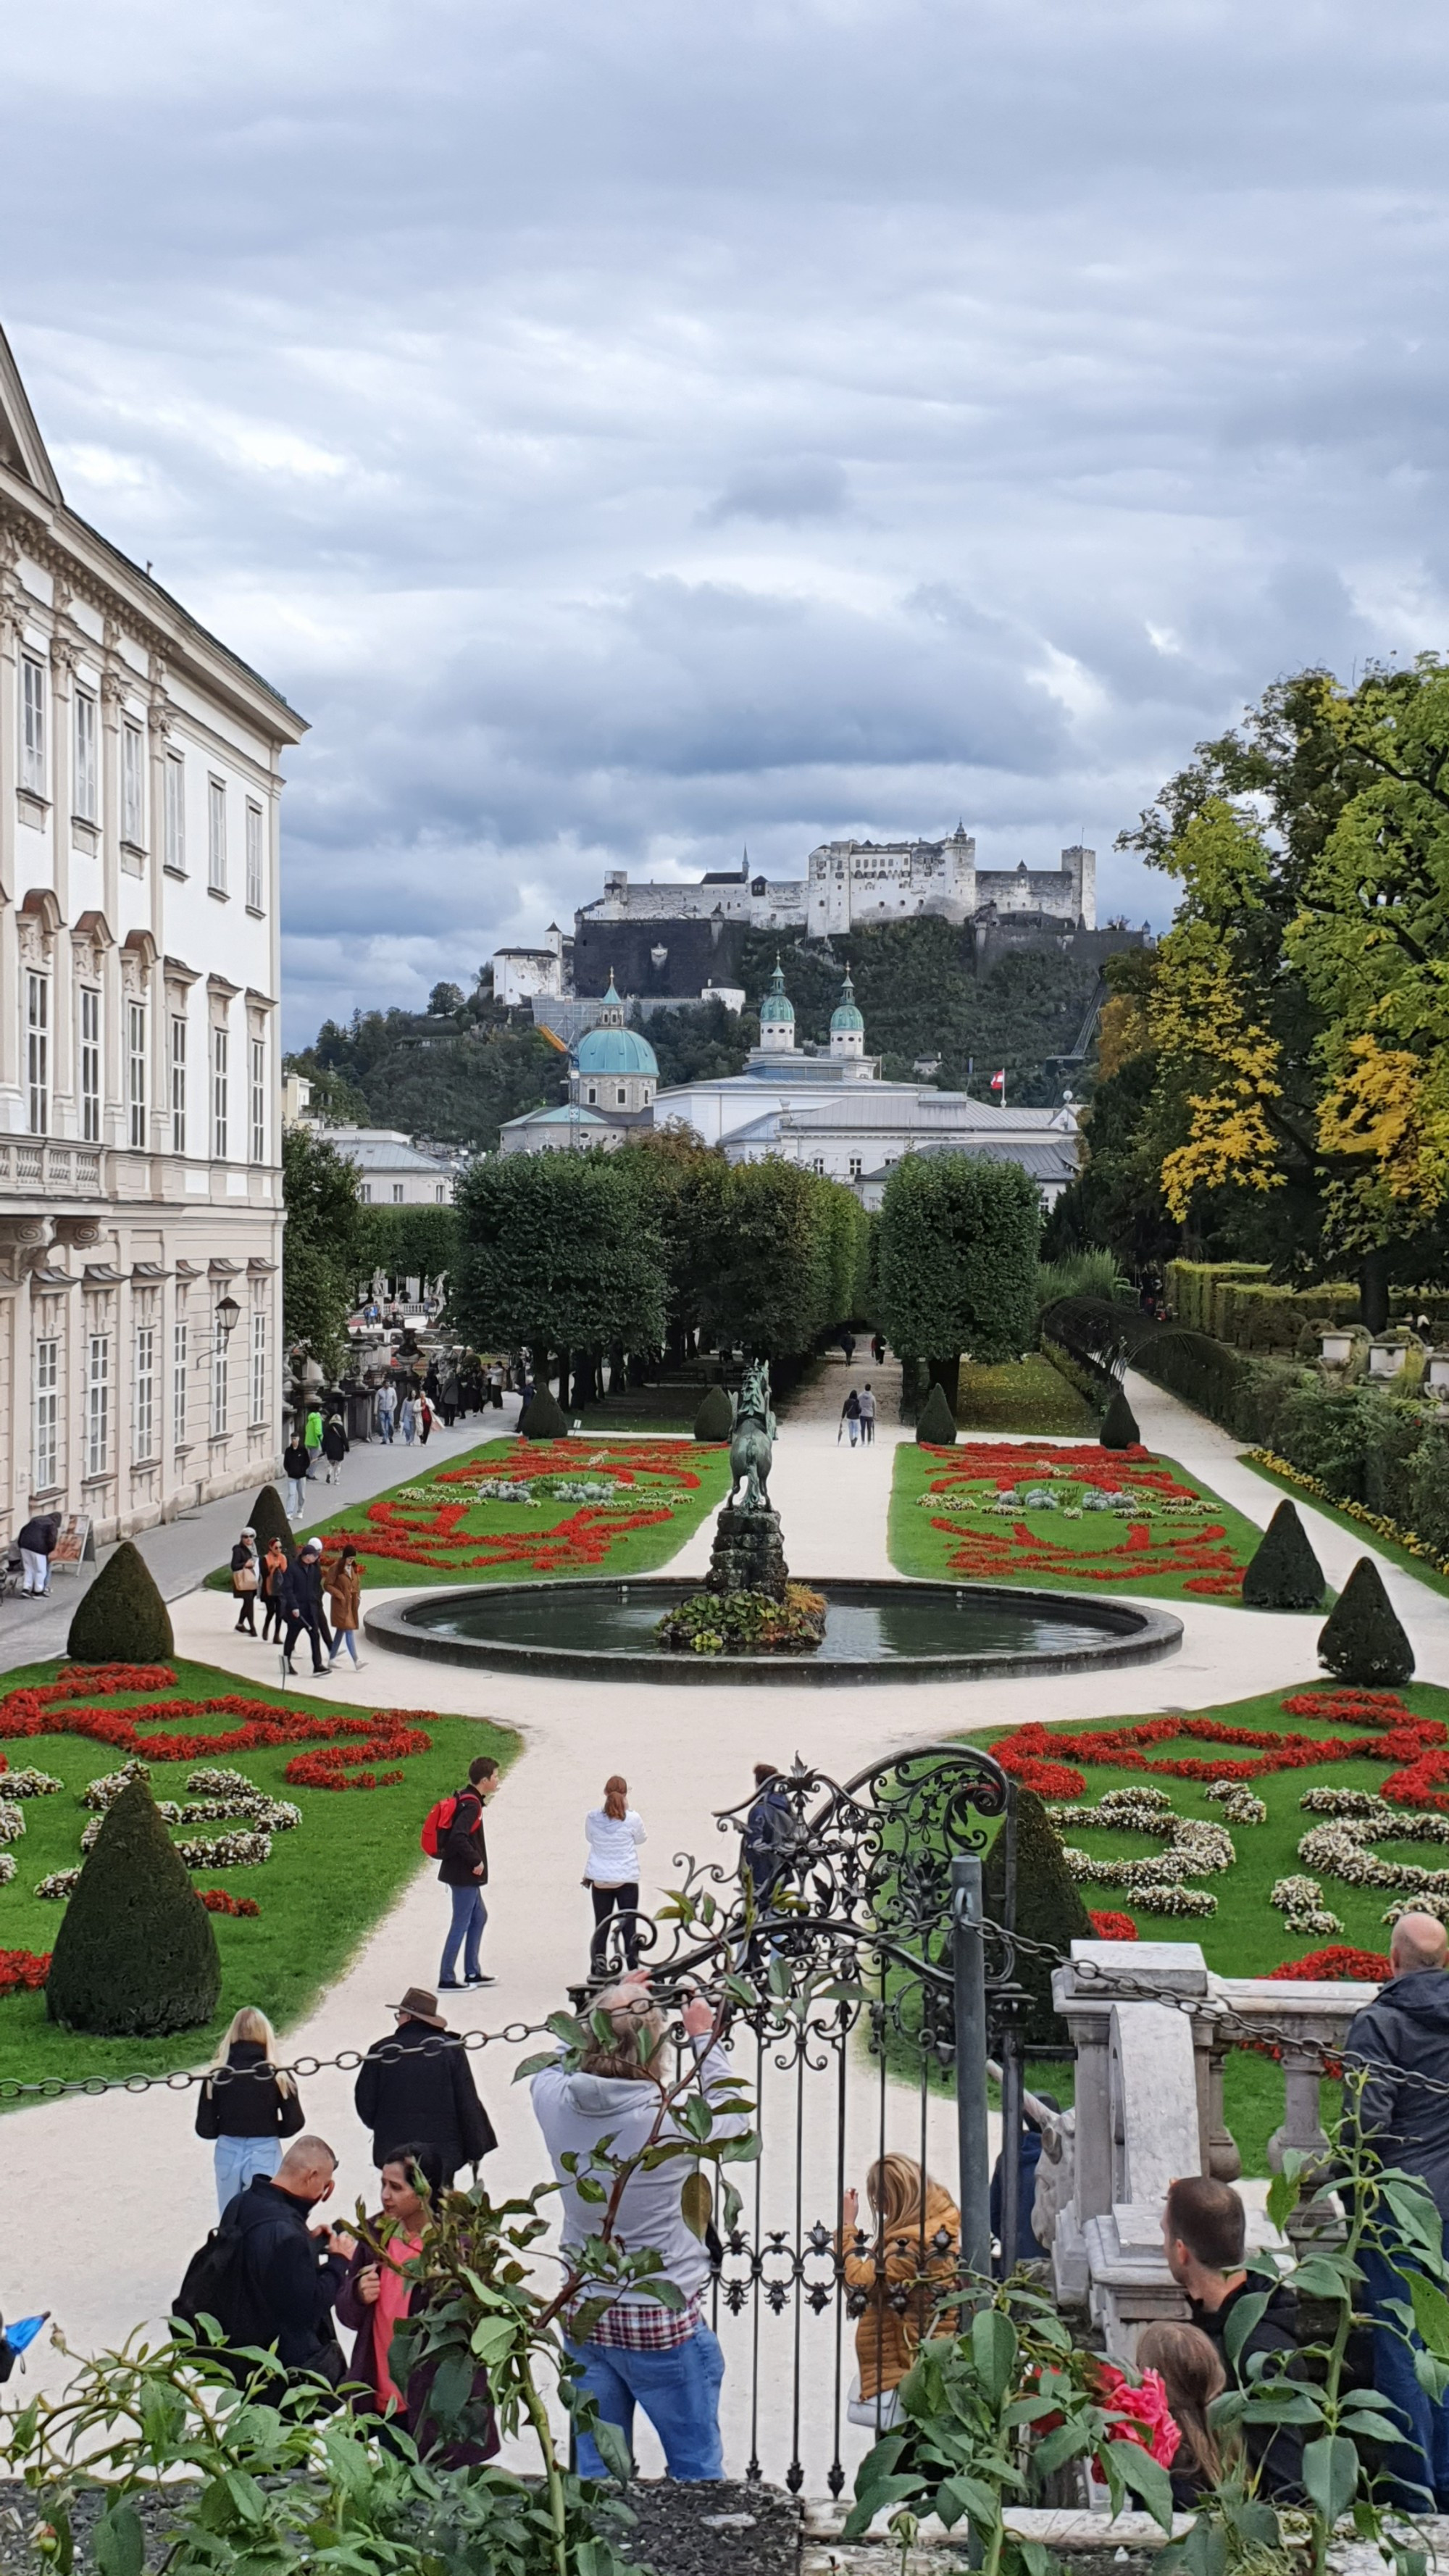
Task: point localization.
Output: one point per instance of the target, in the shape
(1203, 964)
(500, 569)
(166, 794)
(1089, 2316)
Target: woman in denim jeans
(245, 2107)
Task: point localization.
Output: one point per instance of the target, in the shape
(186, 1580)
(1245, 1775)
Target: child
(1193, 2375)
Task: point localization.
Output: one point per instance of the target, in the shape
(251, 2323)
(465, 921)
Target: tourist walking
(302, 1597)
(334, 1447)
(850, 1418)
(898, 2274)
(289, 2276)
(245, 1573)
(771, 1834)
(417, 2084)
(344, 1595)
(640, 2352)
(408, 1417)
(867, 1414)
(312, 1437)
(273, 1579)
(614, 1832)
(448, 1394)
(495, 1385)
(1401, 2039)
(244, 2106)
(296, 1467)
(386, 1410)
(425, 1419)
(378, 2296)
(462, 1850)
(1204, 2231)
(37, 1546)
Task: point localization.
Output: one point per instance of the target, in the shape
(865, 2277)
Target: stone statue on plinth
(748, 1554)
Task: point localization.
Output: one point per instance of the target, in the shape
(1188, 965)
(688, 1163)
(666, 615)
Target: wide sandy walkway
(116, 2192)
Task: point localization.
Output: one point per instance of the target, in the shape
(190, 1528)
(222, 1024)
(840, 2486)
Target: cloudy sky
(627, 432)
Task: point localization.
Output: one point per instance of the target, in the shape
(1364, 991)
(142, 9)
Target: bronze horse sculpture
(752, 1439)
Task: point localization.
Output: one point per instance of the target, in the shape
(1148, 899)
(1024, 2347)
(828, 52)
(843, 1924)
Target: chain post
(968, 1969)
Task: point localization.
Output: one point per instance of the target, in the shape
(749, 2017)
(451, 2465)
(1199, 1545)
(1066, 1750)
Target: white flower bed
(12, 1823)
(1438, 1906)
(272, 1815)
(104, 1792)
(226, 1851)
(1340, 1850)
(1238, 1803)
(61, 1882)
(1300, 1901)
(212, 1781)
(1194, 1849)
(29, 1784)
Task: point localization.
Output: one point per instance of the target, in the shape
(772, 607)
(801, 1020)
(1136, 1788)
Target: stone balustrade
(1152, 2026)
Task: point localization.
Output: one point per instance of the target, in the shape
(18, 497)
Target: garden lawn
(1246, 1937)
(1174, 1538)
(1369, 1533)
(1022, 1395)
(326, 1884)
(649, 1494)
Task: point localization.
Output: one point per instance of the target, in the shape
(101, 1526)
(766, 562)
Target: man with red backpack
(453, 1835)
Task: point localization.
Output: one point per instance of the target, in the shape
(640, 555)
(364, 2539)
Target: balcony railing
(39, 1164)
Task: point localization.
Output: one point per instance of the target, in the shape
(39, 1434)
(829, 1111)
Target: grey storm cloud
(627, 434)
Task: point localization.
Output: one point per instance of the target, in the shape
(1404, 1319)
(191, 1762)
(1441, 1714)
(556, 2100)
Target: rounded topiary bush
(136, 1954)
(1049, 1908)
(1119, 1423)
(122, 1618)
(1283, 1573)
(715, 1418)
(543, 1420)
(269, 1520)
(1361, 1640)
(936, 1427)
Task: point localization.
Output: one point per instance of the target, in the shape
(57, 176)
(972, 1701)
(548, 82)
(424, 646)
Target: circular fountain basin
(874, 1632)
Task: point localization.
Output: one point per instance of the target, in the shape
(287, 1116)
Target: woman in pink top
(377, 2295)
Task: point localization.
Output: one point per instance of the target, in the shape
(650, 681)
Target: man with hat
(417, 2085)
(302, 1603)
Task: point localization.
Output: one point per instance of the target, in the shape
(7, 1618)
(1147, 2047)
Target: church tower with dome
(614, 1067)
(777, 1018)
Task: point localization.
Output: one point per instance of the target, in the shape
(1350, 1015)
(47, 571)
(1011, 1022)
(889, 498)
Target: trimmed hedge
(1362, 1640)
(715, 1418)
(136, 1954)
(1049, 1908)
(936, 1428)
(122, 1619)
(269, 1520)
(544, 1420)
(1283, 1573)
(1237, 1302)
(1119, 1424)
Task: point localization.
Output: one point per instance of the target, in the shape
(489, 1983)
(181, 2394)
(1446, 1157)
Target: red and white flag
(998, 1080)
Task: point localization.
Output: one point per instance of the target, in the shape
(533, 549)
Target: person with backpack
(266, 2276)
(245, 2107)
(453, 1836)
(335, 1446)
(312, 1435)
(417, 2083)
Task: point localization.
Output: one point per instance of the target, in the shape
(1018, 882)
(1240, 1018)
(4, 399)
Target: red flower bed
(64, 1707)
(1109, 1926)
(1200, 1555)
(217, 1901)
(22, 1970)
(1359, 1966)
(412, 1534)
(1033, 1753)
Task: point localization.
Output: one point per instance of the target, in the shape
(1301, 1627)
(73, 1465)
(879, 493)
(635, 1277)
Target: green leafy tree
(323, 1249)
(557, 1253)
(769, 1277)
(957, 1261)
(410, 1242)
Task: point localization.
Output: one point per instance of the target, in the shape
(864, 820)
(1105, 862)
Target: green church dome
(616, 1051)
(777, 1011)
(845, 1015)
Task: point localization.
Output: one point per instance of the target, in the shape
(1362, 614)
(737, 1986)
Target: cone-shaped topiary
(122, 1619)
(1049, 1908)
(715, 1418)
(1361, 1640)
(1283, 1573)
(543, 1420)
(269, 1520)
(135, 1955)
(1119, 1423)
(936, 1428)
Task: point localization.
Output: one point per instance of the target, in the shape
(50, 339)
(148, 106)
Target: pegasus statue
(752, 1439)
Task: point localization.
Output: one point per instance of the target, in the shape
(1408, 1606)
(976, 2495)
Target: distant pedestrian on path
(295, 1467)
(449, 1392)
(245, 2107)
(344, 1596)
(37, 1547)
(302, 1596)
(425, 1419)
(408, 1417)
(867, 1414)
(847, 1344)
(615, 1832)
(312, 1437)
(334, 1447)
(463, 1867)
(850, 1418)
(273, 1579)
(245, 1574)
(771, 1834)
(417, 2084)
(878, 1349)
(386, 1410)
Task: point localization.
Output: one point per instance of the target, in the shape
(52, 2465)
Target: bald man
(1403, 2033)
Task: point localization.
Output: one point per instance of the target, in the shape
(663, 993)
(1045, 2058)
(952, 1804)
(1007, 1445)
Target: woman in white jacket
(615, 1832)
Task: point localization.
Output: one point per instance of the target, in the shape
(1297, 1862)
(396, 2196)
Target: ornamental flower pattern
(422, 1525)
(984, 1477)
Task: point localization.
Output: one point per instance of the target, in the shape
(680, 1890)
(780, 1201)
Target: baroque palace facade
(140, 1127)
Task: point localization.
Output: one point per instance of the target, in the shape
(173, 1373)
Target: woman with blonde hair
(898, 2278)
(245, 2106)
(611, 1874)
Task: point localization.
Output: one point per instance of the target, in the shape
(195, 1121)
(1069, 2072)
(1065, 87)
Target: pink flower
(1152, 2425)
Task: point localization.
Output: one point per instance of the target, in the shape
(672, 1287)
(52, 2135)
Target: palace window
(178, 1084)
(32, 724)
(87, 802)
(45, 1465)
(176, 813)
(259, 1364)
(254, 858)
(143, 1442)
(136, 1076)
(219, 1390)
(90, 1063)
(259, 1100)
(178, 1384)
(98, 1405)
(133, 787)
(218, 1094)
(216, 835)
(37, 1051)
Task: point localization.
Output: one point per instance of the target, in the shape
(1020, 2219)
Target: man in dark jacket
(290, 2274)
(418, 2084)
(1403, 2033)
(37, 1546)
(463, 1867)
(770, 1834)
(302, 1601)
(1203, 2232)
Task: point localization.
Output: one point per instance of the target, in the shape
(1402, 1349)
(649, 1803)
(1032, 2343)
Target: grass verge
(325, 1886)
(1368, 1537)
(1022, 1395)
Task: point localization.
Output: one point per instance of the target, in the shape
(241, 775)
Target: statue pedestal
(748, 1554)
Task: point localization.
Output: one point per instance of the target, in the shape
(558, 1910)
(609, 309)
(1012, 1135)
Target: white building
(520, 974)
(140, 1182)
(848, 884)
(613, 1077)
(395, 1171)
